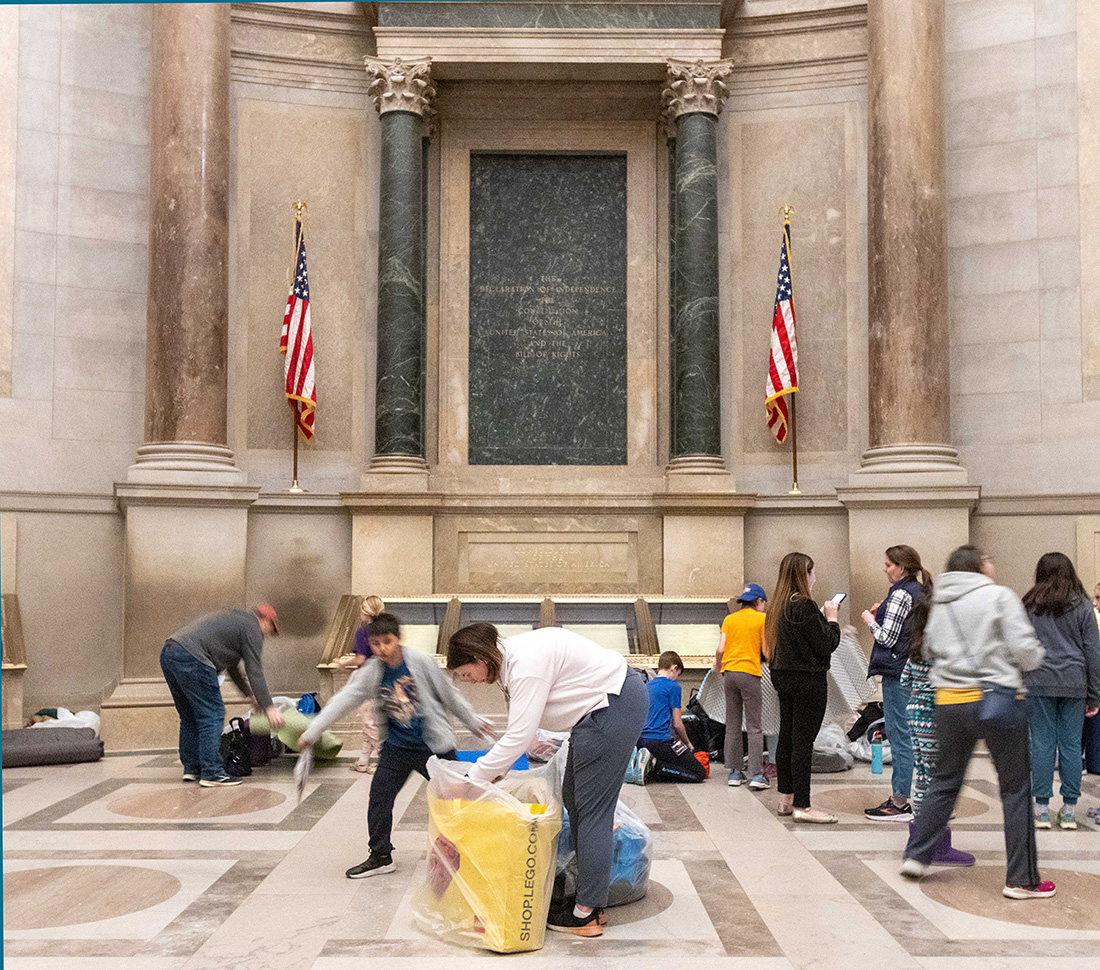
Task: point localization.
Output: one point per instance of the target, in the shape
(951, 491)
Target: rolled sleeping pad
(294, 725)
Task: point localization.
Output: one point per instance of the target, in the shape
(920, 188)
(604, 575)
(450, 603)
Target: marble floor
(118, 865)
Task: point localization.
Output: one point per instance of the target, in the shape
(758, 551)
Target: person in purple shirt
(368, 610)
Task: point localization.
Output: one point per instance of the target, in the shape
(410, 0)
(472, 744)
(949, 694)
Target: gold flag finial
(786, 211)
(299, 208)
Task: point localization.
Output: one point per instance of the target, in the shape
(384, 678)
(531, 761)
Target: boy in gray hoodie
(978, 634)
(412, 699)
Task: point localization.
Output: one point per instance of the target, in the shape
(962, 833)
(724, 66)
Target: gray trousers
(600, 746)
(957, 731)
(743, 697)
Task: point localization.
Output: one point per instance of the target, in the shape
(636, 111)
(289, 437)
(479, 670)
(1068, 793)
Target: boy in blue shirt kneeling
(664, 742)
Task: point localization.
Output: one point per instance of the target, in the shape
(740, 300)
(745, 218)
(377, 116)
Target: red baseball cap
(265, 611)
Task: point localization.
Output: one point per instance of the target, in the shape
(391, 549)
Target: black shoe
(566, 921)
(374, 866)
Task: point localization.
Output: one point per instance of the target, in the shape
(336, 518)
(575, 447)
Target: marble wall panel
(458, 140)
(656, 16)
(70, 583)
(327, 170)
(548, 554)
(301, 564)
(798, 159)
(1015, 543)
(1088, 108)
(392, 555)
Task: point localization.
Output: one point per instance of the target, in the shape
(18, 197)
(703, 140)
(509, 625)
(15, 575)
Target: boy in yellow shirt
(740, 648)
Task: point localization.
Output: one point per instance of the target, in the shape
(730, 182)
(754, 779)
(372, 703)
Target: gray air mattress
(50, 746)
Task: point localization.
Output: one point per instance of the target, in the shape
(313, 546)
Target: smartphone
(839, 598)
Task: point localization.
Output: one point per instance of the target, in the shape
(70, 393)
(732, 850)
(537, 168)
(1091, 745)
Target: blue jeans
(1054, 727)
(198, 699)
(895, 703)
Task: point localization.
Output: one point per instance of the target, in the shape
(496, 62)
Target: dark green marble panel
(696, 420)
(537, 13)
(398, 423)
(547, 310)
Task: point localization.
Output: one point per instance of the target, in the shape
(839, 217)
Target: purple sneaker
(945, 855)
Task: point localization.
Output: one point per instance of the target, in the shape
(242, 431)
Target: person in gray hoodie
(978, 634)
(1065, 689)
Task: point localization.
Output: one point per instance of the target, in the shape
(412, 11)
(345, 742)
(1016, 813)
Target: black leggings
(802, 698)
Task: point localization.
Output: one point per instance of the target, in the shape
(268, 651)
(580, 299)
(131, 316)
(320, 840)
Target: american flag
(783, 358)
(296, 340)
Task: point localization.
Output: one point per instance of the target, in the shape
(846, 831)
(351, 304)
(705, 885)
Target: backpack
(309, 704)
(234, 749)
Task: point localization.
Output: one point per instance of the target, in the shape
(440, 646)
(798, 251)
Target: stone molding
(609, 53)
(695, 87)
(401, 84)
(299, 47)
(1079, 504)
(185, 495)
(62, 502)
(910, 458)
(185, 463)
(697, 465)
(910, 497)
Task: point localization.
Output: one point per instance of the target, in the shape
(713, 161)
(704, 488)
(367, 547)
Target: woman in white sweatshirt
(561, 681)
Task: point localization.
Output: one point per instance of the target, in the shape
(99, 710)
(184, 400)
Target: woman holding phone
(799, 640)
(891, 623)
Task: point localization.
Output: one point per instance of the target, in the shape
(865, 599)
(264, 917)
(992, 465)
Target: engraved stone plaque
(547, 366)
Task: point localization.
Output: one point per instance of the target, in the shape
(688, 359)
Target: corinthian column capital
(695, 87)
(401, 85)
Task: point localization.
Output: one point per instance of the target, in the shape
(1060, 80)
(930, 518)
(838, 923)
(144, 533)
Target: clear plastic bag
(492, 850)
(633, 848)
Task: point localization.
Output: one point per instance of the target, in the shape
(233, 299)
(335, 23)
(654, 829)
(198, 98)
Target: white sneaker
(646, 764)
(226, 781)
(912, 869)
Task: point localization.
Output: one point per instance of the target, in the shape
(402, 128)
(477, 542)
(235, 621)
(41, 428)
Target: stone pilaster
(909, 368)
(693, 98)
(187, 324)
(403, 94)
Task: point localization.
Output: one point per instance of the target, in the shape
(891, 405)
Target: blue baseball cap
(752, 593)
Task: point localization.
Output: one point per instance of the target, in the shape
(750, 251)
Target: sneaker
(814, 815)
(375, 865)
(912, 869)
(646, 764)
(226, 781)
(188, 776)
(1066, 819)
(1042, 891)
(631, 769)
(889, 812)
(759, 783)
(567, 921)
(1042, 818)
(736, 779)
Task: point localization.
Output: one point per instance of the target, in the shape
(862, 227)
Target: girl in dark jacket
(799, 640)
(1065, 689)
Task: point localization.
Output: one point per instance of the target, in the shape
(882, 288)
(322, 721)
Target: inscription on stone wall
(547, 310)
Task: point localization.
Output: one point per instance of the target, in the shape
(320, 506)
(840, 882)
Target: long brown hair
(909, 559)
(472, 643)
(1057, 588)
(793, 583)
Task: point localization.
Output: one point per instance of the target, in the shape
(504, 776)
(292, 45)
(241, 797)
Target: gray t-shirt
(223, 641)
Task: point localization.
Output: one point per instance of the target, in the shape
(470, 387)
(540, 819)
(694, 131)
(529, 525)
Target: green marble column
(403, 94)
(399, 399)
(693, 100)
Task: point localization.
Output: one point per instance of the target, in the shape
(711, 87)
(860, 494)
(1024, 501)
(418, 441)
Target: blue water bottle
(876, 753)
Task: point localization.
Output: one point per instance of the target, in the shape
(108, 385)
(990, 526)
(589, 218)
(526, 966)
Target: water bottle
(876, 753)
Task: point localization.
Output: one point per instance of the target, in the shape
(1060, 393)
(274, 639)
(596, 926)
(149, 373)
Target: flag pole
(786, 212)
(299, 209)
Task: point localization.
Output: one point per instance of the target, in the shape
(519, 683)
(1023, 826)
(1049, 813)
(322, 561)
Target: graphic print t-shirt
(664, 697)
(401, 703)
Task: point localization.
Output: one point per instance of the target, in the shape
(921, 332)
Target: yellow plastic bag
(491, 859)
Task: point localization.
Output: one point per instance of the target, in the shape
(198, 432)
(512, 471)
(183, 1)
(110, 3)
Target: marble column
(184, 500)
(187, 328)
(693, 98)
(909, 370)
(403, 94)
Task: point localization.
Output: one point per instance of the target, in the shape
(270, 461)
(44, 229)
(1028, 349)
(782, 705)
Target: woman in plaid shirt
(891, 623)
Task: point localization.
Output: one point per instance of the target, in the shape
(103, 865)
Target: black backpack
(234, 749)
